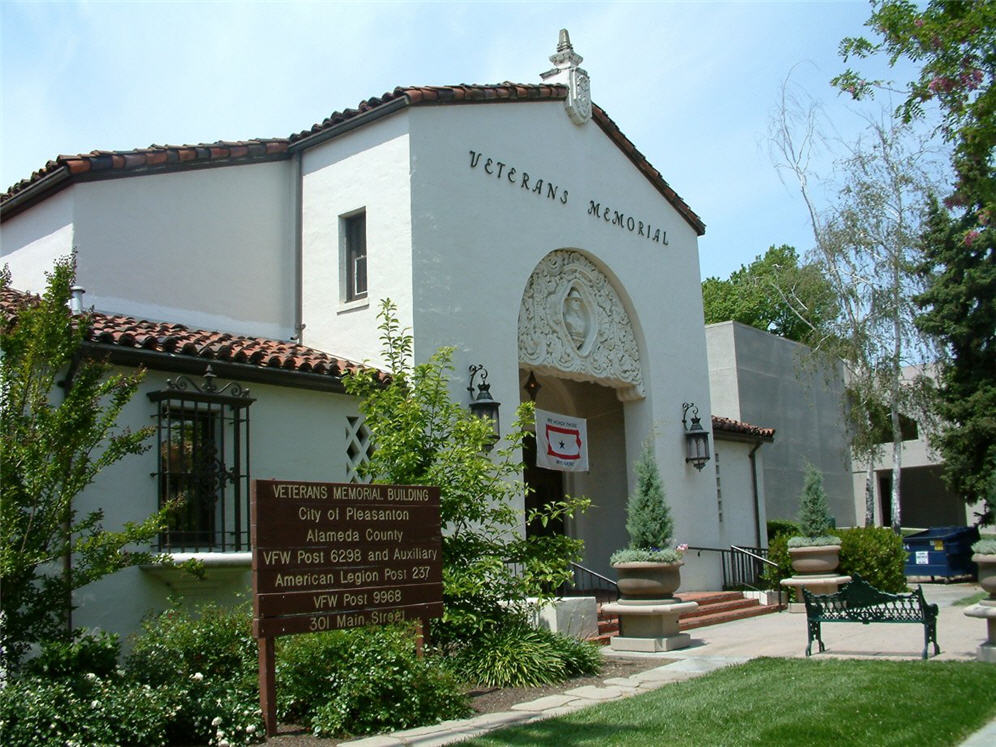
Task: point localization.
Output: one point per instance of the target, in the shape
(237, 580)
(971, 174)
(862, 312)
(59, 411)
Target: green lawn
(788, 702)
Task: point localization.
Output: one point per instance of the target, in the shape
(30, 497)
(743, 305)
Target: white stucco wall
(368, 169)
(211, 248)
(739, 522)
(31, 241)
(477, 238)
(295, 433)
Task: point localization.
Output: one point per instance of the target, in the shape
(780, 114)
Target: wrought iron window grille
(202, 464)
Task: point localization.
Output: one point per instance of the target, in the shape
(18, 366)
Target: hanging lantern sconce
(696, 439)
(483, 404)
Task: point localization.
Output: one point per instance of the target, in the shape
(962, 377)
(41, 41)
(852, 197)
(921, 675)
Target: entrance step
(714, 607)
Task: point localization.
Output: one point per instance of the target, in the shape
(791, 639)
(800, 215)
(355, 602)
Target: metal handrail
(596, 574)
(737, 571)
(589, 581)
(745, 551)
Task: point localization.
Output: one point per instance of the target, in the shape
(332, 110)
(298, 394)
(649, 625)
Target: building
(925, 500)
(755, 376)
(515, 222)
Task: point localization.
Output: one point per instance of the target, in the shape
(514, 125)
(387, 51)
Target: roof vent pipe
(76, 299)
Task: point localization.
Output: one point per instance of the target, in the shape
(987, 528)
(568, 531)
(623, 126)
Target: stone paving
(714, 647)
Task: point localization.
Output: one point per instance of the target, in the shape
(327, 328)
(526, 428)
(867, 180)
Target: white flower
(197, 676)
(216, 721)
(90, 677)
(95, 704)
(223, 743)
(251, 729)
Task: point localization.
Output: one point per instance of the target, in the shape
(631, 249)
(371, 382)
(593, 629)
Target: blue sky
(693, 85)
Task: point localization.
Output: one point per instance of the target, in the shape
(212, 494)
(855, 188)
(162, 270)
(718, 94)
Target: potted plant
(985, 558)
(815, 551)
(649, 569)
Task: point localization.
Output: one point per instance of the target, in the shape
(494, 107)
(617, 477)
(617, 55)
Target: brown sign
(341, 600)
(268, 627)
(328, 556)
(315, 578)
(322, 550)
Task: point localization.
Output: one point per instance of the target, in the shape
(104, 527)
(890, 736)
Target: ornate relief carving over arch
(572, 323)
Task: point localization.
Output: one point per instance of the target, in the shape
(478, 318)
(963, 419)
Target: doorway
(547, 486)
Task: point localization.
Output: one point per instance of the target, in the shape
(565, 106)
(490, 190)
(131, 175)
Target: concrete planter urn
(815, 559)
(987, 573)
(647, 582)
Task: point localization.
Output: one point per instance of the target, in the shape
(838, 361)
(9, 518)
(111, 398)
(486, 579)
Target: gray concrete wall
(777, 384)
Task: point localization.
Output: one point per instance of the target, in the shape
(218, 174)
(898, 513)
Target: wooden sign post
(327, 556)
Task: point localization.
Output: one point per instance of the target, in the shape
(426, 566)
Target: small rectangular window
(355, 255)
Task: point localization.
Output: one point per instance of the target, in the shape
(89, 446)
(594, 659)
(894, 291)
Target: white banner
(561, 442)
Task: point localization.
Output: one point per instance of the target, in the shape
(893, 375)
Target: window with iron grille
(355, 255)
(202, 452)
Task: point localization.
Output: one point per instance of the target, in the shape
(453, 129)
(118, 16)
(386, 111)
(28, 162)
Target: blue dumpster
(941, 551)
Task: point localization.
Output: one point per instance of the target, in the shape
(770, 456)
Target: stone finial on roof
(568, 72)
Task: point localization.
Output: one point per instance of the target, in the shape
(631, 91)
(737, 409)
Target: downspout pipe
(298, 208)
(753, 486)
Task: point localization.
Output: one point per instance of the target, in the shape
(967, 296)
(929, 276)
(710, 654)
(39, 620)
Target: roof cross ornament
(567, 72)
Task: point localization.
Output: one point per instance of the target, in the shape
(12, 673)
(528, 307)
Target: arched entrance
(576, 339)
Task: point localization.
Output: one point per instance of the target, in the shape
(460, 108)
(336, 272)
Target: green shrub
(876, 554)
(514, 655)
(212, 641)
(363, 681)
(777, 553)
(777, 527)
(204, 667)
(93, 652)
(36, 710)
(580, 658)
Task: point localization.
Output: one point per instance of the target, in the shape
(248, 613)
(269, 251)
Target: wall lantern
(532, 386)
(696, 439)
(483, 404)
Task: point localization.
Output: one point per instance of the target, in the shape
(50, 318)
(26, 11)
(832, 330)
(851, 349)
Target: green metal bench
(861, 602)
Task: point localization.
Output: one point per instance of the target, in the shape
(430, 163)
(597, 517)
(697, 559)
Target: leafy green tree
(960, 309)
(423, 437)
(774, 293)
(52, 445)
(954, 45)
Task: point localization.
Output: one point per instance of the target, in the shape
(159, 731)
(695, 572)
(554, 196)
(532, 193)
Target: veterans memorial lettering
(327, 556)
(504, 171)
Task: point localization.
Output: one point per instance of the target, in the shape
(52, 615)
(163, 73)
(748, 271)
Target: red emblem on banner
(563, 443)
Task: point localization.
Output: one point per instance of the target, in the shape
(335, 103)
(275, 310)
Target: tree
(52, 445)
(648, 517)
(954, 44)
(868, 246)
(422, 437)
(774, 293)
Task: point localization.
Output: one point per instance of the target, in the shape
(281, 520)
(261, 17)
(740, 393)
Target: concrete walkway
(780, 635)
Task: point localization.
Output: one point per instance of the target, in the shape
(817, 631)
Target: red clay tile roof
(158, 158)
(163, 337)
(734, 426)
